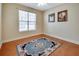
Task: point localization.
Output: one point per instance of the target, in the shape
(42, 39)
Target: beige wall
(0, 26)
(66, 30)
(10, 22)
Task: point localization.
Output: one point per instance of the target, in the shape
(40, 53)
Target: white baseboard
(72, 41)
(20, 38)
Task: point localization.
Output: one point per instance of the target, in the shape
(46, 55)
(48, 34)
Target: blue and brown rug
(37, 47)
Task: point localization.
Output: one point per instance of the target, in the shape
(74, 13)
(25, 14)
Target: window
(27, 21)
(32, 21)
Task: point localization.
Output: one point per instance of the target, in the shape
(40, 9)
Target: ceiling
(43, 8)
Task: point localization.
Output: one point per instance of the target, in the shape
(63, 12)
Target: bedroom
(16, 28)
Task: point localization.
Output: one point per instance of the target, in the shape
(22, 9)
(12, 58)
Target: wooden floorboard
(66, 48)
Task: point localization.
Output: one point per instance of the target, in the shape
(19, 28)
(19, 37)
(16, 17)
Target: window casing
(27, 21)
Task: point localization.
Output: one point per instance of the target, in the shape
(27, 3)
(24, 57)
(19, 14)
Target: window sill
(27, 31)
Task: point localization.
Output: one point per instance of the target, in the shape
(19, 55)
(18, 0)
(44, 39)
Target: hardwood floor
(66, 48)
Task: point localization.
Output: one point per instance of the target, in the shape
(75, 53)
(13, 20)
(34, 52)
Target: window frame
(28, 21)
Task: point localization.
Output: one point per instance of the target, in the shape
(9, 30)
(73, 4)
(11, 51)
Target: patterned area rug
(37, 47)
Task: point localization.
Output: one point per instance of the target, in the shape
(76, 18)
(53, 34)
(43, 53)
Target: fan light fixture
(42, 4)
